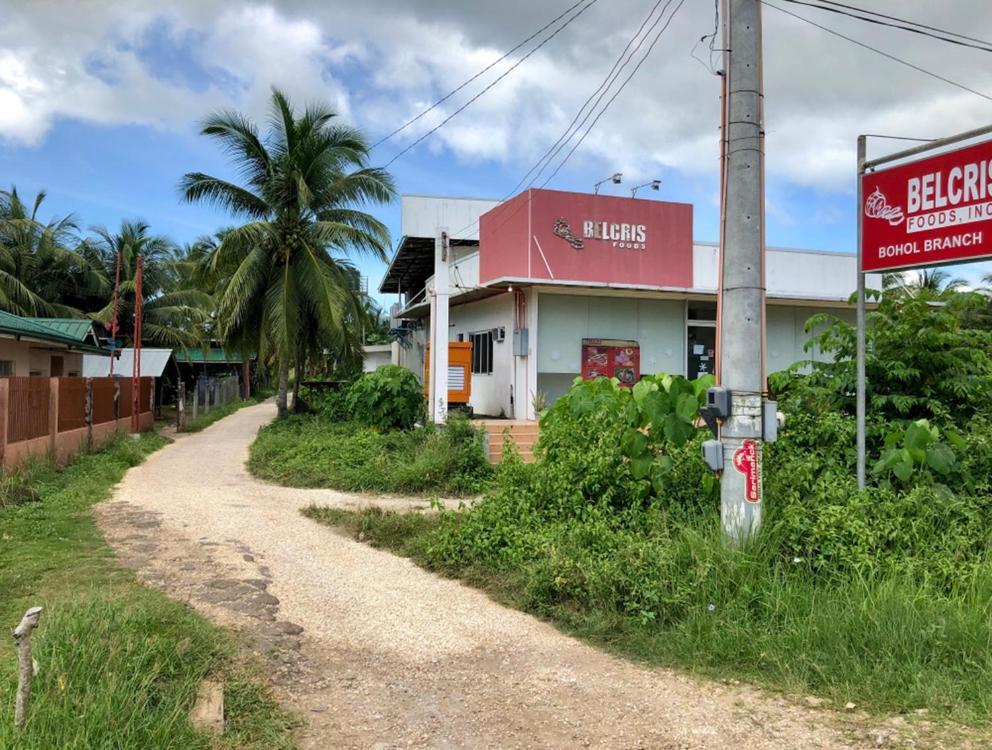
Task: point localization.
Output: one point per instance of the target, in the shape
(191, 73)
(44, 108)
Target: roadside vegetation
(119, 663)
(881, 598)
(365, 438)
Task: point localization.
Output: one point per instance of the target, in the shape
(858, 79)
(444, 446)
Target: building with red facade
(551, 285)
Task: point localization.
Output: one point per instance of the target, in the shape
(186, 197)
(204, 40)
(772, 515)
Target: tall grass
(315, 451)
(119, 663)
(888, 644)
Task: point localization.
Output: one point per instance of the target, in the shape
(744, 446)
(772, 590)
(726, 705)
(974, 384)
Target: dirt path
(377, 653)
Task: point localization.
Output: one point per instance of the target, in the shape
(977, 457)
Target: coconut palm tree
(44, 269)
(174, 312)
(303, 189)
(929, 282)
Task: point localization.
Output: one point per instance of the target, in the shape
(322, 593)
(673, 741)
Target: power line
(616, 94)
(607, 82)
(513, 67)
(878, 51)
(478, 75)
(902, 20)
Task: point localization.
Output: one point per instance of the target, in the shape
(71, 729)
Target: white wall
(490, 393)
(791, 274)
(423, 214)
(377, 355)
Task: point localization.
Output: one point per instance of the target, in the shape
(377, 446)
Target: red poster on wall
(611, 358)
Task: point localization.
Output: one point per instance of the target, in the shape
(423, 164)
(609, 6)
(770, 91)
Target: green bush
(389, 398)
(330, 403)
(312, 451)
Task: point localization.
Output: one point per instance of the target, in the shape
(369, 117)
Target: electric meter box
(718, 401)
(713, 454)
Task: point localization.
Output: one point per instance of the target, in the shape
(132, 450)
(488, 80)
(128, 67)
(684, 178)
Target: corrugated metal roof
(214, 355)
(76, 328)
(153, 363)
(18, 326)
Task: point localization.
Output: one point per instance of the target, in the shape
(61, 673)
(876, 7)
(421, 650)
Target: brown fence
(72, 404)
(103, 400)
(27, 415)
(124, 403)
(34, 428)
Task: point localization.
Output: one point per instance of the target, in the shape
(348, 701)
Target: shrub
(389, 398)
(330, 403)
(312, 451)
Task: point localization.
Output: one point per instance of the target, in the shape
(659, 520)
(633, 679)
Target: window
(6, 368)
(482, 352)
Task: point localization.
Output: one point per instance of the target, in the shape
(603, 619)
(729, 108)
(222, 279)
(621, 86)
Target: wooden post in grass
(22, 637)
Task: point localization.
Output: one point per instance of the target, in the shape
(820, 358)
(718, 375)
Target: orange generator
(459, 373)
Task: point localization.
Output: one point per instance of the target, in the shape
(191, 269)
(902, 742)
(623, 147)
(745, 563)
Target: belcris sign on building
(932, 211)
(576, 237)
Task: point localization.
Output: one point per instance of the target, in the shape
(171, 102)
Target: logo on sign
(746, 462)
(627, 236)
(877, 207)
(563, 230)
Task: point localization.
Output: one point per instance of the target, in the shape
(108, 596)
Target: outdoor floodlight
(654, 185)
(615, 178)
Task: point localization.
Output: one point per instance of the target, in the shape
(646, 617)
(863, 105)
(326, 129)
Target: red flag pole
(113, 320)
(136, 369)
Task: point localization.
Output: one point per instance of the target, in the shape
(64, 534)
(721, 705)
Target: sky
(101, 102)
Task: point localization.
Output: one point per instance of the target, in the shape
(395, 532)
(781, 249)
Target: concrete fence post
(117, 401)
(88, 414)
(181, 407)
(196, 397)
(53, 413)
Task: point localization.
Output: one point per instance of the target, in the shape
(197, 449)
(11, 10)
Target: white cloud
(380, 61)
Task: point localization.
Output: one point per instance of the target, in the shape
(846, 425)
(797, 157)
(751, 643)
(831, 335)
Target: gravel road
(375, 652)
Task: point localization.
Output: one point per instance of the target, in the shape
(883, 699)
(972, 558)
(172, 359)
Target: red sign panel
(560, 237)
(932, 211)
(746, 462)
(611, 358)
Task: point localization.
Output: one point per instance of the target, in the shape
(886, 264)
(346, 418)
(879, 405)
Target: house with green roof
(45, 346)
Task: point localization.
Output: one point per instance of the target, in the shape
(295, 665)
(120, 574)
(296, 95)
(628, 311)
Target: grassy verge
(885, 644)
(119, 663)
(314, 451)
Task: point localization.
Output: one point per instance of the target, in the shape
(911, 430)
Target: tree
(932, 283)
(174, 313)
(303, 188)
(44, 269)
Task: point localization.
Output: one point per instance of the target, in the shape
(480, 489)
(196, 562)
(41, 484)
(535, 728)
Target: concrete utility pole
(437, 387)
(742, 299)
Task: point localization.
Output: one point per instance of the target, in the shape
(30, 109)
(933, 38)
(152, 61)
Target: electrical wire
(878, 51)
(712, 45)
(513, 67)
(895, 22)
(478, 75)
(601, 90)
(616, 94)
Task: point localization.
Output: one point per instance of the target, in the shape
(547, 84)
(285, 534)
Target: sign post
(927, 212)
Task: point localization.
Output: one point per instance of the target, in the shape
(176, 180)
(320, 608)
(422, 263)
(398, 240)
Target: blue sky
(101, 104)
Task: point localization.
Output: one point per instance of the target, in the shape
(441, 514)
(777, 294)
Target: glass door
(700, 349)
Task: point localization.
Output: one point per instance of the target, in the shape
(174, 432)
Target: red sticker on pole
(928, 212)
(746, 462)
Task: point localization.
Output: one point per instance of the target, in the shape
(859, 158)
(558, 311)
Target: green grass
(119, 663)
(888, 645)
(314, 451)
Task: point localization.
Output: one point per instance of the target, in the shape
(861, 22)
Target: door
(700, 351)
(56, 367)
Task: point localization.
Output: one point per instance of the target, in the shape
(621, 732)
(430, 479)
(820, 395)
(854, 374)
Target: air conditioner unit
(499, 334)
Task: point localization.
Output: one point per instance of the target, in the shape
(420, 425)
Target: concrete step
(523, 435)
